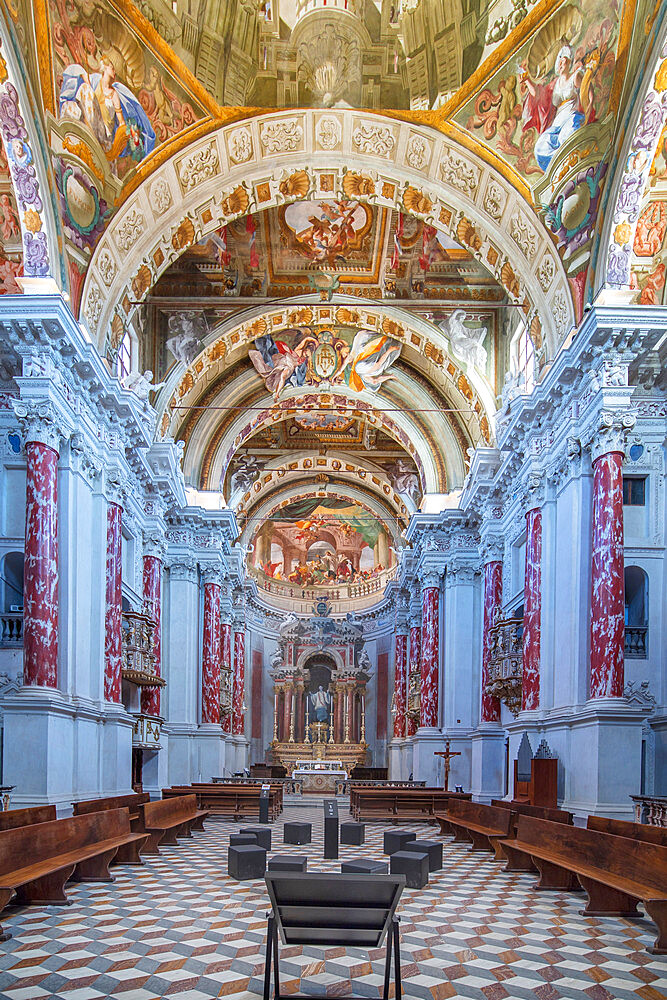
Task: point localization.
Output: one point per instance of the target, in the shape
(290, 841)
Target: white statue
(187, 330)
(466, 344)
(141, 385)
(404, 479)
(321, 700)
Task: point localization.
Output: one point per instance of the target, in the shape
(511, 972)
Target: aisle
(179, 927)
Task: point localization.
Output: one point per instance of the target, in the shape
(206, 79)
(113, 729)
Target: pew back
(13, 818)
(173, 809)
(132, 801)
(625, 828)
(492, 817)
(22, 847)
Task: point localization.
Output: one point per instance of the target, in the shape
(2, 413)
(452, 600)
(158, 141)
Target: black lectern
(330, 828)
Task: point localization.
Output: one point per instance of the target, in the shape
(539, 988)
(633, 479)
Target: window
(124, 359)
(636, 613)
(522, 357)
(634, 491)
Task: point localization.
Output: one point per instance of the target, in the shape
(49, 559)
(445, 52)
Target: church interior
(333, 566)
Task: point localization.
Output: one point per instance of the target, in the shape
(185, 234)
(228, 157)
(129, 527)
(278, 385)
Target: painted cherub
(10, 222)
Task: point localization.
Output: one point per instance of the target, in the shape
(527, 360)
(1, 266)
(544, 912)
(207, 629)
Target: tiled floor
(179, 927)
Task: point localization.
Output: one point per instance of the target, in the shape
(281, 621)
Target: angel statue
(141, 385)
(466, 344)
(321, 700)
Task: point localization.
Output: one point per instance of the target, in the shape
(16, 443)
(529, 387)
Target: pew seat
(37, 861)
(484, 825)
(165, 820)
(615, 872)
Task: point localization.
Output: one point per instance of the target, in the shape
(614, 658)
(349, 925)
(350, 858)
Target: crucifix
(447, 755)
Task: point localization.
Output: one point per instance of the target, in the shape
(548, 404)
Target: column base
(116, 750)
(155, 772)
(488, 762)
(238, 754)
(211, 752)
(396, 759)
(425, 766)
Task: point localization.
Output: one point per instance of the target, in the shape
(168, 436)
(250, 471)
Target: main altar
(320, 671)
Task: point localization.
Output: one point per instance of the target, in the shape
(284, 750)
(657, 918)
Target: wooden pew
(625, 828)
(525, 809)
(37, 861)
(13, 818)
(132, 801)
(165, 820)
(399, 804)
(235, 801)
(615, 872)
(473, 821)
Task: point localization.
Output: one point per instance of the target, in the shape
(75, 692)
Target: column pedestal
(116, 750)
(396, 759)
(488, 762)
(425, 765)
(237, 753)
(155, 774)
(211, 753)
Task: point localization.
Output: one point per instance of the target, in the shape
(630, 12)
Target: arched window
(12, 579)
(522, 357)
(636, 612)
(124, 358)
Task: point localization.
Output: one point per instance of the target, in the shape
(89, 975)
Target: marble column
(415, 667)
(152, 587)
(430, 658)
(340, 712)
(287, 711)
(210, 695)
(607, 579)
(40, 580)
(226, 664)
(238, 715)
(113, 612)
(532, 611)
(400, 681)
(493, 598)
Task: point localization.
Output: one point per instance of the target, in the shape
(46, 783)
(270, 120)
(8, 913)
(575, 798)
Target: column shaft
(493, 598)
(114, 608)
(532, 611)
(152, 584)
(415, 667)
(40, 575)
(607, 581)
(227, 664)
(238, 717)
(400, 684)
(210, 695)
(430, 659)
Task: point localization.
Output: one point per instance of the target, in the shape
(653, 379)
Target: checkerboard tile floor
(179, 927)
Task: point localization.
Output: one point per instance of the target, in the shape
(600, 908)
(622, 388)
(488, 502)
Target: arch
(307, 654)
(205, 186)
(644, 127)
(31, 176)
(636, 612)
(12, 579)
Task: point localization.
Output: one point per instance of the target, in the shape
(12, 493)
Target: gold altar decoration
(413, 709)
(138, 650)
(226, 685)
(506, 661)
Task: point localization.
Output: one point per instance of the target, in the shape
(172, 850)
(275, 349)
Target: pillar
(430, 652)
(211, 653)
(415, 667)
(400, 680)
(340, 712)
(238, 715)
(287, 711)
(40, 581)
(493, 599)
(113, 612)
(532, 611)
(152, 592)
(607, 579)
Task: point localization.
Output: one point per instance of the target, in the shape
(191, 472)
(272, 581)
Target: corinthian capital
(183, 569)
(611, 434)
(41, 422)
(154, 543)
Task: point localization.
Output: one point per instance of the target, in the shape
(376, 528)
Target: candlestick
(291, 721)
(347, 717)
(363, 719)
(307, 737)
(275, 718)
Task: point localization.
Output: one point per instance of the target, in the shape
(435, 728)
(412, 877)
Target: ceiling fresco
(11, 245)
(649, 257)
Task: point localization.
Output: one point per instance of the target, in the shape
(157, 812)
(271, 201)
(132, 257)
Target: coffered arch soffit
(318, 154)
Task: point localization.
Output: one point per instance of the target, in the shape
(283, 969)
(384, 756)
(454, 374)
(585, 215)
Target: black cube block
(297, 833)
(288, 863)
(247, 861)
(431, 847)
(364, 866)
(413, 865)
(238, 839)
(352, 833)
(395, 840)
(263, 834)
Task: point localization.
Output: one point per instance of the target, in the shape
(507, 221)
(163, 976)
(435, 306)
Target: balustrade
(636, 642)
(12, 628)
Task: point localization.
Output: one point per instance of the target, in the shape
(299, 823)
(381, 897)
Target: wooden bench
(13, 818)
(474, 821)
(234, 801)
(625, 828)
(37, 861)
(395, 805)
(615, 872)
(525, 809)
(165, 820)
(131, 802)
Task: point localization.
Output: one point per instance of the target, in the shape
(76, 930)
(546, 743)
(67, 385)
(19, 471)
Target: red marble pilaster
(607, 582)
(339, 731)
(430, 660)
(400, 681)
(227, 664)
(238, 717)
(114, 607)
(152, 586)
(493, 599)
(415, 667)
(287, 713)
(532, 611)
(40, 573)
(210, 693)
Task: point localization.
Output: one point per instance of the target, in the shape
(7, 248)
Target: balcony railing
(12, 628)
(636, 642)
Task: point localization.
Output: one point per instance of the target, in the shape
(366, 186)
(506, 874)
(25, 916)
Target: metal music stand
(332, 910)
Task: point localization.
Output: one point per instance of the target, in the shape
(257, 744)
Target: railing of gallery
(11, 623)
(636, 642)
(343, 597)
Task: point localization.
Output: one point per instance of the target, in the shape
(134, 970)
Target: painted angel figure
(370, 357)
(466, 344)
(281, 365)
(109, 108)
(554, 109)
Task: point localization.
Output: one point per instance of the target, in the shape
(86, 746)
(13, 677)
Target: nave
(180, 927)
